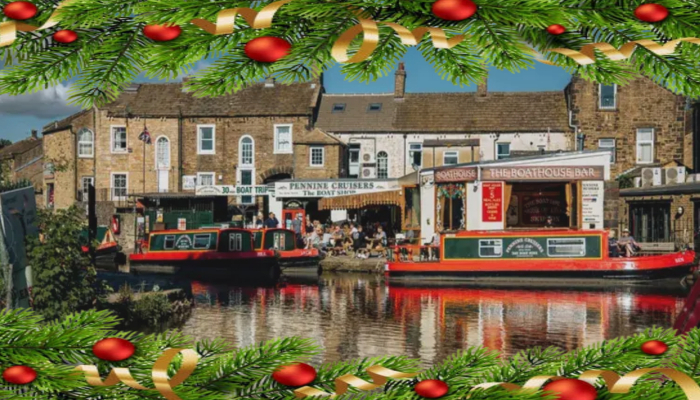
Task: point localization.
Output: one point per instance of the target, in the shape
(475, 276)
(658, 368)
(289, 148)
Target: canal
(355, 316)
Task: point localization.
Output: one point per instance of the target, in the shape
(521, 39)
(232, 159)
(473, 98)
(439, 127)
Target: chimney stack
(400, 82)
(482, 88)
(270, 82)
(34, 134)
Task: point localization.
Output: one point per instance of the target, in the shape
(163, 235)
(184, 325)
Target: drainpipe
(179, 150)
(404, 153)
(75, 163)
(94, 142)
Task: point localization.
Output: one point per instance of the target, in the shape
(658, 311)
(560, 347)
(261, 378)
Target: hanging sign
(334, 188)
(592, 210)
(260, 190)
(182, 224)
(492, 201)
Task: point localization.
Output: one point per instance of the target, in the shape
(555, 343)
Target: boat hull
(207, 264)
(299, 259)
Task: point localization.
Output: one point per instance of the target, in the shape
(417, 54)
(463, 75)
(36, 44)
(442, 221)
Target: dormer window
(338, 107)
(374, 107)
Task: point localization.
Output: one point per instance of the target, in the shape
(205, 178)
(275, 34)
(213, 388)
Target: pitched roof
(318, 136)
(20, 147)
(60, 125)
(447, 112)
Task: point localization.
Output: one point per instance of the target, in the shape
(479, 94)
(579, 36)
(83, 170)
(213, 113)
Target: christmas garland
(38, 361)
(108, 43)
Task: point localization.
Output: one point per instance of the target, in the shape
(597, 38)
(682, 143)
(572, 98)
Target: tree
(5, 142)
(64, 279)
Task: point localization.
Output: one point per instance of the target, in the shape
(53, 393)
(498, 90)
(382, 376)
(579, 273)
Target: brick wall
(59, 149)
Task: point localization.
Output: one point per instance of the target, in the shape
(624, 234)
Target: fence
(120, 197)
(682, 232)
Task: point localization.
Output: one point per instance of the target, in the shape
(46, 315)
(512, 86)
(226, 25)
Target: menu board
(492, 202)
(592, 209)
(535, 209)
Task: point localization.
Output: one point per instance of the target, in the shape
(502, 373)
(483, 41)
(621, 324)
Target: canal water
(355, 316)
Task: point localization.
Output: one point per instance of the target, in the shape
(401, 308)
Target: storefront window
(650, 222)
(412, 209)
(451, 206)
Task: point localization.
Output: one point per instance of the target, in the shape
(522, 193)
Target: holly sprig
(111, 50)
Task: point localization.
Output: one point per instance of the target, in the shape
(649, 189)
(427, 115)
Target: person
(358, 239)
(326, 241)
(297, 225)
(549, 223)
(627, 243)
(272, 221)
(613, 247)
(381, 239)
(259, 221)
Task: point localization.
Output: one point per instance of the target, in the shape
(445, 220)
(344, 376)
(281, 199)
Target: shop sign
(525, 248)
(332, 188)
(456, 175)
(543, 173)
(537, 208)
(262, 190)
(492, 202)
(189, 182)
(592, 209)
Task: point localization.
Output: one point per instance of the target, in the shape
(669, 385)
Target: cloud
(48, 103)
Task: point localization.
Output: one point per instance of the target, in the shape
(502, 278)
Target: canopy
(356, 201)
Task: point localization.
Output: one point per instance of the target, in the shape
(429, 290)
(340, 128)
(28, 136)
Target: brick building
(24, 161)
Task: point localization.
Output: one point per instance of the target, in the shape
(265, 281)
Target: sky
(20, 114)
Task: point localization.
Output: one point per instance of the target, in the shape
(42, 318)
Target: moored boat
(107, 253)
(205, 253)
(539, 254)
(284, 243)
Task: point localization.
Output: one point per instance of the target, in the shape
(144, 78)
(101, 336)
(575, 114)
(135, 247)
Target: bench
(656, 248)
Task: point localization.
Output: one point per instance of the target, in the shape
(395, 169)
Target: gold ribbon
(226, 19)
(587, 54)
(8, 30)
(163, 383)
(613, 381)
(380, 376)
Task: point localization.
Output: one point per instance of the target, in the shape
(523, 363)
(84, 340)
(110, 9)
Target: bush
(150, 311)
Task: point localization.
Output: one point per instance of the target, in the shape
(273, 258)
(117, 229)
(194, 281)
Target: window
(206, 139)
(568, 247)
(202, 241)
(86, 143)
(645, 146)
(650, 222)
(119, 139)
(49, 195)
(279, 240)
(235, 242)
(163, 152)
(205, 179)
(607, 97)
(247, 151)
(246, 176)
(415, 154)
(338, 107)
(608, 144)
(491, 248)
(502, 151)
(283, 139)
(169, 242)
(374, 107)
(382, 165)
(316, 157)
(86, 181)
(450, 158)
(451, 205)
(120, 185)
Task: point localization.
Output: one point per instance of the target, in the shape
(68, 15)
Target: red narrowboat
(205, 253)
(541, 254)
(284, 243)
(107, 253)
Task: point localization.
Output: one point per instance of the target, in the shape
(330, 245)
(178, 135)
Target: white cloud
(48, 103)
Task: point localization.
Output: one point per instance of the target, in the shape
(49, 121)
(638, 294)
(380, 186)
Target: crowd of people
(343, 239)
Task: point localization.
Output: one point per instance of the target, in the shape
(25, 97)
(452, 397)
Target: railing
(681, 232)
(120, 197)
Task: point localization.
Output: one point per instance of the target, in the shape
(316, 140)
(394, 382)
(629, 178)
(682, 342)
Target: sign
(148, 224)
(189, 182)
(525, 248)
(592, 210)
(293, 204)
(182, 224)
(183, 243)
(332, 188)
(522, 173)
(140, 226)
(262, 190)
(159, 216)
(528, 246)
(492, 202)
(18, 221)
(536, 209)
(456, 175)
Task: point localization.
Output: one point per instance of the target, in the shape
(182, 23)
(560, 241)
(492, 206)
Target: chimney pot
(34, 134)
(269, 82)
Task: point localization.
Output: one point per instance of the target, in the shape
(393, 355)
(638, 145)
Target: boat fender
(116, 228)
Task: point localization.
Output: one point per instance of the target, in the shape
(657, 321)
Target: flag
(145, 136)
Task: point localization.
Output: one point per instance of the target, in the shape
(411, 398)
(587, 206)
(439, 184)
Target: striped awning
(357, 201)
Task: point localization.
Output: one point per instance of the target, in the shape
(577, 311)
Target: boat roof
(207, 230)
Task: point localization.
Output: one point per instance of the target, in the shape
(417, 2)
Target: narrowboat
(539, 254)
(290, 255)
(205, 253)
(107, 253)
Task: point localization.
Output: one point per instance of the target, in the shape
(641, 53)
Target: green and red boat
(204, 253)
(541, 255)
(284, 243)
(107, 253)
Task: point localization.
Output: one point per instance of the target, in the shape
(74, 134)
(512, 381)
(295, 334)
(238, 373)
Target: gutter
(75, 164)
(179, 150)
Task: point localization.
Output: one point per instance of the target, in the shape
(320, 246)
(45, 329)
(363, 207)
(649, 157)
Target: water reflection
(361, 316)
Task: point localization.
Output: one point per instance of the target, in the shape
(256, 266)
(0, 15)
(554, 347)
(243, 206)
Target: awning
(356, 201)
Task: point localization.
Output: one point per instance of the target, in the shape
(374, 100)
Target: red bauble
(162, 33)
(267, 49)
(19, 375)
(654, 347)
(556, 29)
(65, 36)
(571, 389)
(294, 375)
(454, 10)
(113, 349)
(651, 12)
(431, 388)
(20, 10)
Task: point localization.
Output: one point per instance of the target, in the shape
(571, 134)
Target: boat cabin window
(235, 242)
(491, 248)
(566, 247)
(279, 240)
(169, 242)
(202, 241)
(528, 205)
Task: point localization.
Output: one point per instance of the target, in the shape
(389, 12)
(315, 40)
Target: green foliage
(6, 186)
(625, 181)
(149, 311)
(64, 279)
(5, 142)
(112, 50)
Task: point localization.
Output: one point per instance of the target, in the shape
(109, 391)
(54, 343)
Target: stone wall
(611, 207)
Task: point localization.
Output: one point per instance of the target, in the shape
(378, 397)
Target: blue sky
(20, 114)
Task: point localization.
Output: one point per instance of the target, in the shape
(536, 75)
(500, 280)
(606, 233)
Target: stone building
(24, 161)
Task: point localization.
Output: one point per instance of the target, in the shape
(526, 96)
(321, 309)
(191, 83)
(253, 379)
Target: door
(289, 215)
(163, 163)
(354, 161)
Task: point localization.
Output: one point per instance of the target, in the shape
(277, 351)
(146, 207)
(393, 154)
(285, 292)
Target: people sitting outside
(627, 244)
(312, 240)
(360, 243)
(326, 237)
(309, 225)
(272, 221)
(613, 248)
(380, 240)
